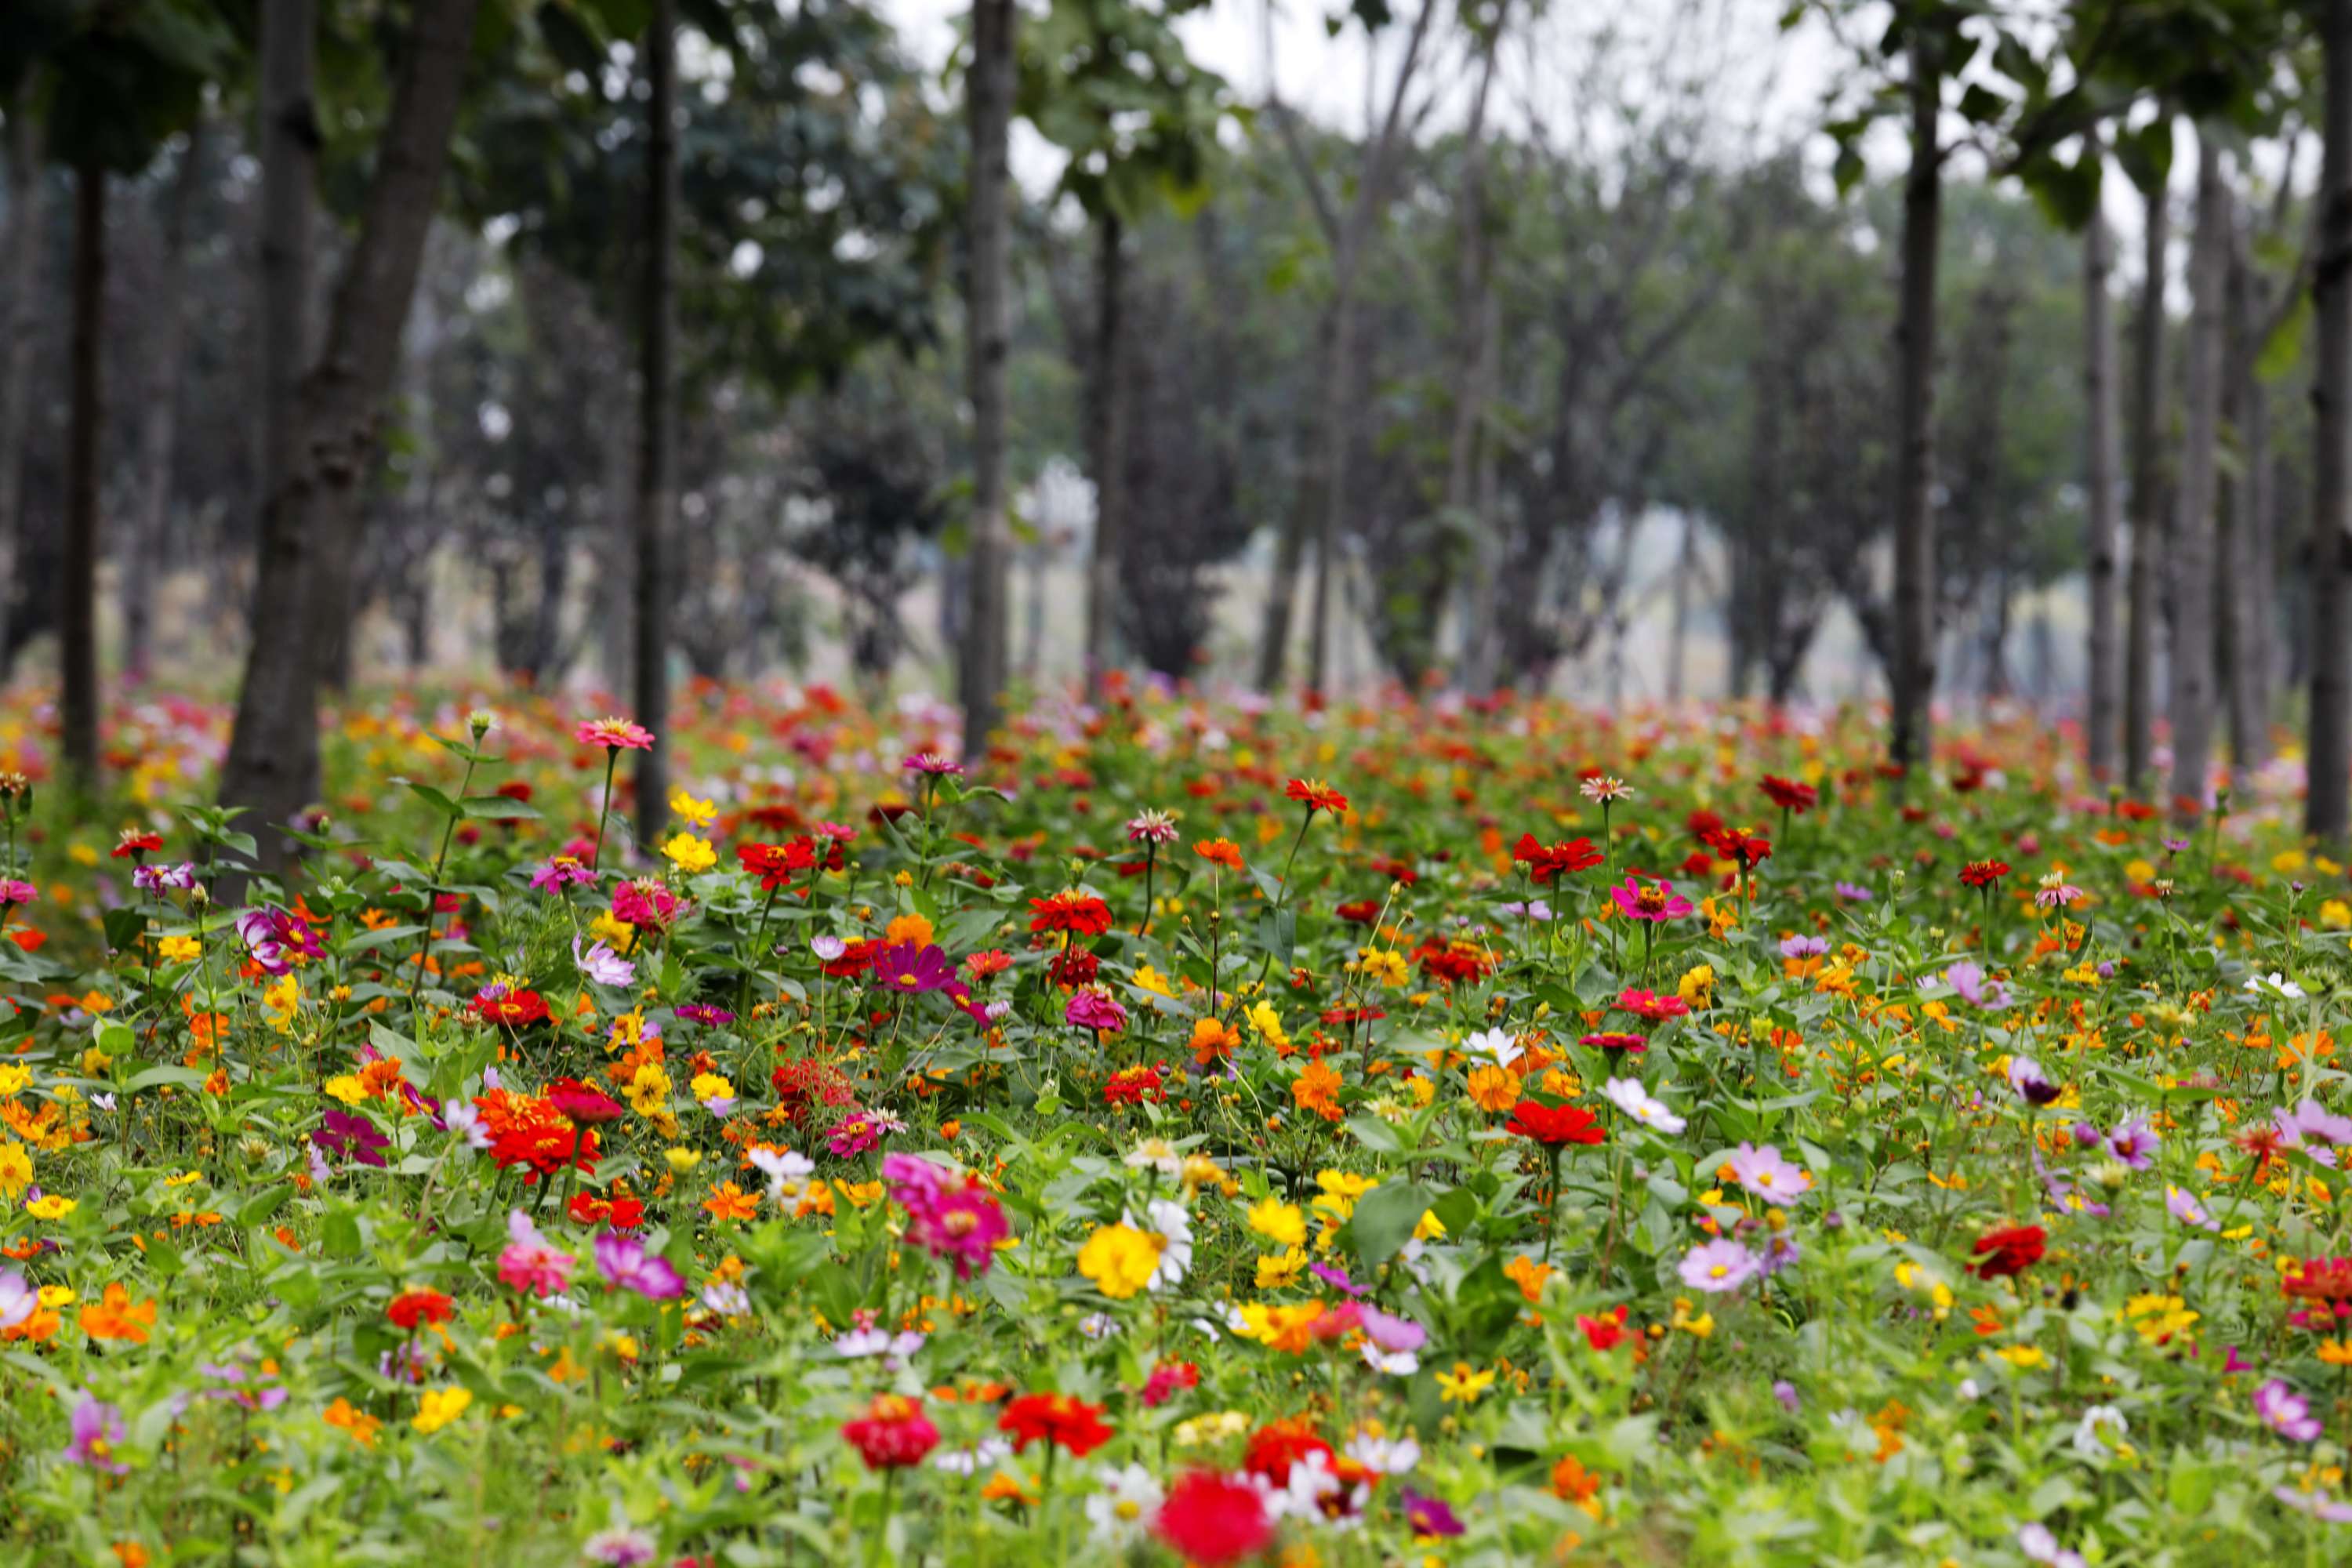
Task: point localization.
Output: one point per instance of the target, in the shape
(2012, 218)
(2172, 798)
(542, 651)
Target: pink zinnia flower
(645, 902)
(1092, 1009)
(1650, 900)
(626, 1264)
(12, 891)
(529, 1265)
(853, 1137)
(613, 735)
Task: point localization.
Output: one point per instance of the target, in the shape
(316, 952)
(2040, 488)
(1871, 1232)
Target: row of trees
(650, 308)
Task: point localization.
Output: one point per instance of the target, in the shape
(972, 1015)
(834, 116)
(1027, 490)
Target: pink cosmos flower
(529, 1264)
(626, 1264)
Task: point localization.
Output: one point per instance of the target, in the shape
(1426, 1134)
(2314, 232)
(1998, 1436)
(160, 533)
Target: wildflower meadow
(1190, 1131)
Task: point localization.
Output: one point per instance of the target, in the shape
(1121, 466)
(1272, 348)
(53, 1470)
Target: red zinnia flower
(1361, 911)
(776, 864)
(495, 1004)
(582, 1103)
(411, 1308)
(1545, 863)
(1316, 795)
(1553, 1125)
(1651, 1007)
(1213, 1519)
(1788, 795)
(137, 841)
(1983, 873)
(1064, 1420)
(1274, 1447)
(2010, 1250)
(1633, 1043)
(893, 1435)
(1080, 913)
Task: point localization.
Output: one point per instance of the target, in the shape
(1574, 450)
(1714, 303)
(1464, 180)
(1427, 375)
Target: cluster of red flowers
(508, 1005)
(1547, 863)
(1133, 1086)
(528, 1130)
(1553, 1126)
(2010, 1250)
(1064, 1420)
(893, 1435)
(1071, 910)
(1788, 795)
(777, 864)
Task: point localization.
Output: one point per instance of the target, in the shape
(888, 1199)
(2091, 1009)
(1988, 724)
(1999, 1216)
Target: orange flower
(1494, 1089)
(1219, 852)
(361, 1426)
(117, 1317)
(1529, 1277)
(1213, 1040)
(730, 1202)
(1316, 1088)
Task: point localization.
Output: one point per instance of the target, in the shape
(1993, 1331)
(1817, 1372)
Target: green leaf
(1385, 1217)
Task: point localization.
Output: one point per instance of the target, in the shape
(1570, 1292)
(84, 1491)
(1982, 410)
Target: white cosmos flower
(1628, 1096)
(1121, 1510)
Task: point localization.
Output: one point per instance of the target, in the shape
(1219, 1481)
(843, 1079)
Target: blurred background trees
(1579, 355)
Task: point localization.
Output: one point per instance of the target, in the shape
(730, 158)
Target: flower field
(1193, 1131)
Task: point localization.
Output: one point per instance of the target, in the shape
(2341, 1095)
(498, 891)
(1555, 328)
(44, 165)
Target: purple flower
(625, 1265)
(1804, 946)
(277, 940)
(2325, 1509)
(1786, 1393)
(2025, 1077)
(1392, 1333)
(160, 879)
(931, 763)
(2038, 1545)
(2313, 1129)
(2134, 1143)
(1853, 892)
(2182, 1205)
(704, 1014)
(1429, 1515)
(1967, 980)
(18, 1299)
(911, 970)
(2286, 1411)
(97, 1427)
(354, 1136)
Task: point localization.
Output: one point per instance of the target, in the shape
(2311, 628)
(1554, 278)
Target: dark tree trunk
(2193, 522)
(1915, 605)
(656, 420)
(2102, 719)
(988, 95)
(78, 611)
(1108, 439)
(158, 421)
(17, 337)
(273, 759)
(2331, 512)
(2146, 502)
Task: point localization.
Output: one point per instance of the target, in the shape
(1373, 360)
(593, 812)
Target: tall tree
(2103, 717)
(1350, 235)
(2148, 555)
(988, 99)
(2330, 745)
(2193, 513)
(78, 611)
(658, 418)
(18, 330)
(272, 768)
(159, 418)
(1915, 408)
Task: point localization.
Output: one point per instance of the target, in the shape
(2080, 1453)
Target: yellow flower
(1340, 1190)
(1279, 1221)
(179, 949)
(2025, 1358)
(1280, 1328)
(1281, 1270)
(281, 1001)
(698, 814)
(1212, 1428)
(2334, 914)
(1385, 965)
(649, 1089)
(438, 1408)
(616, 934)
(1698, 987)
(1463, 1385)
(1267, 1024)
(51, 1207)
(710, 1085)
(1120, 1259)
(14, 1079)
(2287, 862)
(1701, 1327)
(16, 1170)
(681, 1159)
(1150, 979)
(688, 853)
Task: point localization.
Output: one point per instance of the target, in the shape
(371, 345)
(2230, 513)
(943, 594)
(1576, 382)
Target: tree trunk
(17, 337)
(988, 95)
(158, 421)
(78, 587)
(2193, 522)
(273, 758)
(1290, 549)
(2238, 597)
(1678, 635)
(2147, 487)
(2102, 719)
(1342, 399)
(657, 421)
(1109, 444)
(1915, 509)
(1473, 287)
(2326, 802)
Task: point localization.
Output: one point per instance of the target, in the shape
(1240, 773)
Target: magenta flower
(963, 1223)
(563, 871)
(853, 1137)
(276, 939)
(1650, 900)
(529, 1264)
(12, 891)
(97, 1427)
(353, 1136)
(625, 1265)
(2286, 1411)
(1096, 1010)
(613, 735)
(645, 902)
(1429, 1515)
(1718, 1266)
(911, 970)
(931, 763)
